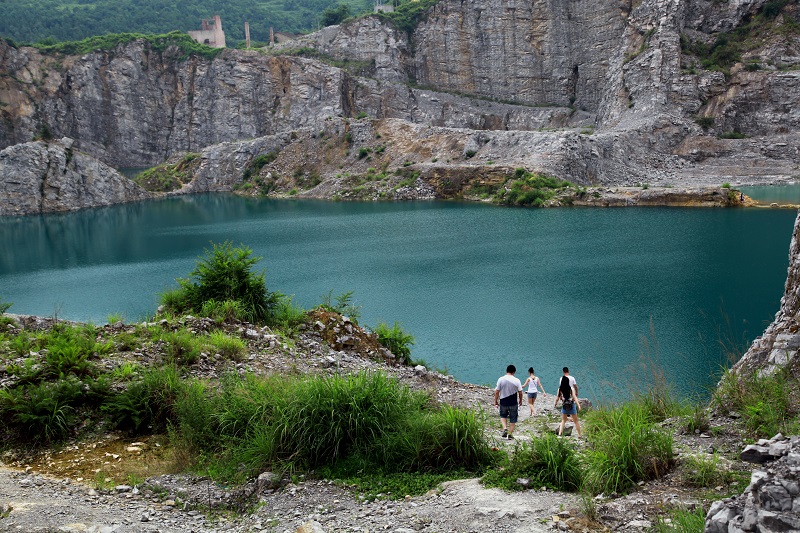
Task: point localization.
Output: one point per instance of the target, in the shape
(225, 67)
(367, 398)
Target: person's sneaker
(511, 437)
(505, 434)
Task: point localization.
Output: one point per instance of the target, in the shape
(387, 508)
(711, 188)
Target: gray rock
(41, 177)
(311, 526)
(268, 481)
(754, 453)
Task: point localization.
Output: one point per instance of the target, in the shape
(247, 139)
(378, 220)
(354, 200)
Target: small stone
(122, 488)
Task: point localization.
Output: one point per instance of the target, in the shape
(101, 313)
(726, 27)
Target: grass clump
(148, 403)
(768, 403)
(224, 274)
(546, 461)
(706, 471)
(625, 447)
(395, 340)
(351, 425)
(682, 520)
(227, 346)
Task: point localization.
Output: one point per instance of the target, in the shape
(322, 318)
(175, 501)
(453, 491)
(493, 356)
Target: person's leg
(504, 419)
(512, 421)
(563, 421)
(533, 406)
(531, 399)
(577, 424)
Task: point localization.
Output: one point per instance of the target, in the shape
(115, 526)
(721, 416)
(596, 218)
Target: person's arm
(526, 382)
(496, 397)
(541, 387)
(575, 392)
(519, 393)
(555, 404)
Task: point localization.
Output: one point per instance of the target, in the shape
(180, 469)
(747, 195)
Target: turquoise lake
(478, 286)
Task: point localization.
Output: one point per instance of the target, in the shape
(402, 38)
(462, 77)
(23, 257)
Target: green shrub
(546, 461)
(469, 154)
(395, 340)
(726, 185)
(732, 135)
(4, 306)
(178, 39)
(225, 273)
(625, 446)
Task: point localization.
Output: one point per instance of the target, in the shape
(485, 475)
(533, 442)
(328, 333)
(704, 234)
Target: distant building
(383, 8)
(211, 34)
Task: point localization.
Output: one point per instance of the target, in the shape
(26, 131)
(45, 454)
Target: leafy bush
(395, 340)
(4, 306)
(625, 446)
(546, 461)
(287, 315)
(335, 15)
(259, 162)
(224, 274)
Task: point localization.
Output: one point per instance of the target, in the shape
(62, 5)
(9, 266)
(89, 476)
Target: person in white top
(508, 398)
(568, 393)
(533, 390)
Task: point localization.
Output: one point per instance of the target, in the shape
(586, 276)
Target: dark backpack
(566, 393)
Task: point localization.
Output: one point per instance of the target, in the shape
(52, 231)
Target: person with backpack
(533, 390)
(507, 397)
(568, 394)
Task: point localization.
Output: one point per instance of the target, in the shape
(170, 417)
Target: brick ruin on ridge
(211, 33)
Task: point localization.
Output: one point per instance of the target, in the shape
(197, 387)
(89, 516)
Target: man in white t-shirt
(508, 398)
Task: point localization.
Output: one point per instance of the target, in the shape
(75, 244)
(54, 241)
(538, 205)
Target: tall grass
(769, 404)
(546, 461)
(625, 446)
(366, 419)
(148, 405)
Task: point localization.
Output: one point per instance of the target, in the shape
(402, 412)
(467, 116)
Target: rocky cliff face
(600, 92)
(43, 177)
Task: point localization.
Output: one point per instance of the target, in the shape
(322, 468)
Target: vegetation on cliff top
(179, 40)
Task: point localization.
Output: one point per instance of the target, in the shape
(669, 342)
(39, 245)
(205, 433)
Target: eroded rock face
(780, 343)
(40, 177)
(772, 500)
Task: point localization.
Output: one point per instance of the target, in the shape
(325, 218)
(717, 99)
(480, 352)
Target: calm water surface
(479, 286)
(780, 194)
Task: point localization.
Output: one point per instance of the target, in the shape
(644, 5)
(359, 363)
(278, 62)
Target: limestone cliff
(666, 92)
(43, 177)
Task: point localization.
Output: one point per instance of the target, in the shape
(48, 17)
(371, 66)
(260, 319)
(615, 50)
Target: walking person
(534, 384)
(568, 394)
(508, 398)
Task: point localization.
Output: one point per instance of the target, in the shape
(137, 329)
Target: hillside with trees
(30, 21)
